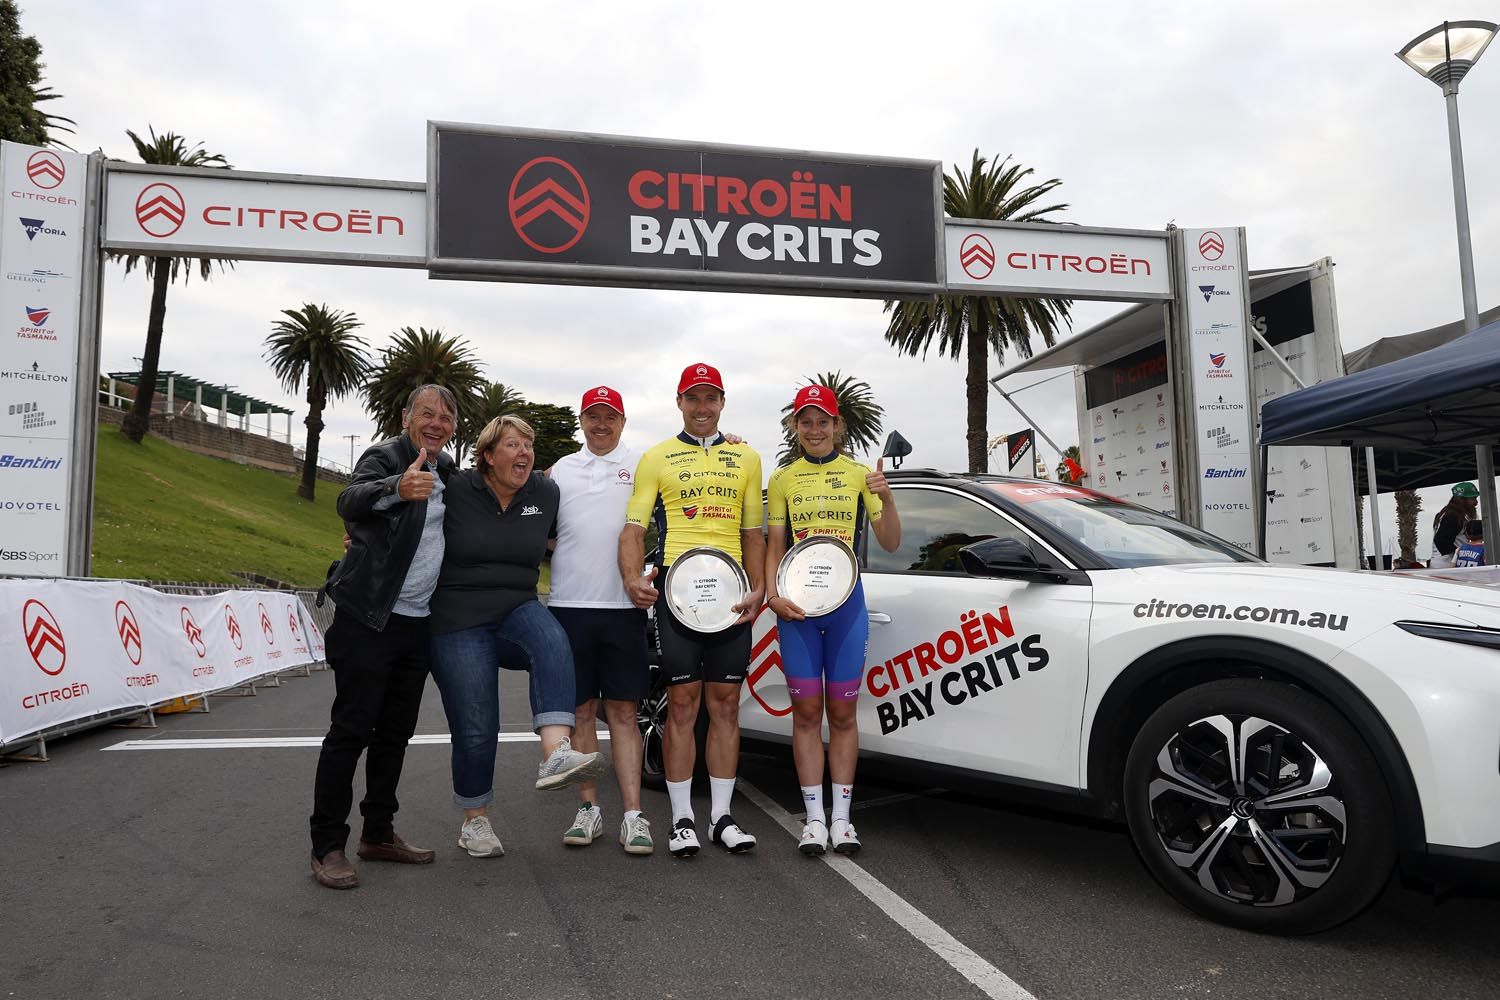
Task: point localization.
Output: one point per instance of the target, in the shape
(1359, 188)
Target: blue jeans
(466, 665)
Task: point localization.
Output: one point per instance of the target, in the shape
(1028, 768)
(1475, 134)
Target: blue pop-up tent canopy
(1423, 413)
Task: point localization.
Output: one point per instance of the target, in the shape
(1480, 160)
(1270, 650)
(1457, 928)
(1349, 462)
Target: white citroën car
(1276, 738)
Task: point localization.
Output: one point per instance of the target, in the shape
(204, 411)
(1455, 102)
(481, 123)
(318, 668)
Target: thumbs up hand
(416, 481)
(875, 481)
(640, 590)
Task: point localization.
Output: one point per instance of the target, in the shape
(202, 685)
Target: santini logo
(1224, 473)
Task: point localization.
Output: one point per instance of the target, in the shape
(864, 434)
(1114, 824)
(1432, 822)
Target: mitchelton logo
(549, 205)
(44, 638)
(977, 255)
(160, 210)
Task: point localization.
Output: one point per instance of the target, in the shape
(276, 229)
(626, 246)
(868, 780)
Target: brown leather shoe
(335, 871)
(397, 850)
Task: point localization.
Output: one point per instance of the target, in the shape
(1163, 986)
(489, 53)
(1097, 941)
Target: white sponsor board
(1299, 513)
(271, 217)
(41, 258)
(1129, 449)
(1066, 262)
(74, 649)
(1218, 364)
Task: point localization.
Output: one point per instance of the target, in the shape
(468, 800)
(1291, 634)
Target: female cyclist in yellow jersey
(824, 492)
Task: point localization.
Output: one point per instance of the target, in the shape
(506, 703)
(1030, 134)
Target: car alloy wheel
(1256, 804)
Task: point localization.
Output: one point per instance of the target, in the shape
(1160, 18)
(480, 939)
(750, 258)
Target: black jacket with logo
(367, 581)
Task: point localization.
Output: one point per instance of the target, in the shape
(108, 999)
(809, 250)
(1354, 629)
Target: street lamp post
(1445, 55)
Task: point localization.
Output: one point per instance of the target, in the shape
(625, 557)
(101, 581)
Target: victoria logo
(1211, 245)
(129, 631)
(38, 227)
(977, 255)
(44, 638)
(265, 625)
(194, 633)
(46, 169)
(160, 210)
(232, 626)
(549, 205)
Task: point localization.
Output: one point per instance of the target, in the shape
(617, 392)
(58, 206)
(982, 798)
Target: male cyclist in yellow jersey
(699, 490)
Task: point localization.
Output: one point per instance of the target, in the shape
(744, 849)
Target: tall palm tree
(495, 399)
(416, 357)
(319, 343)
(862, 415)
(167, 149)
(974, 325)
(1408, 506)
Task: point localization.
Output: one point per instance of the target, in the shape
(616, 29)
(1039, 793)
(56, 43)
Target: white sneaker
(845, 840)
(814, 838)
(727, 833)
(684, 842)
(565, 766)
(478, 838)
(635, 835)
(588, 824)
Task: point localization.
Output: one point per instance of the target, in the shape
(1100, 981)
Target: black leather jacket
(367, 581)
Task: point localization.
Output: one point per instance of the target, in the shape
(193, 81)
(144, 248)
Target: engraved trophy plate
(817, 574)
(702, 587)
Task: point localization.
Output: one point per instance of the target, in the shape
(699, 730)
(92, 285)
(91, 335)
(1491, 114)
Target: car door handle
(878, 617)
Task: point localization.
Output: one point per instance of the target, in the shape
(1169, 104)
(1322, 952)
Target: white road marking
(281, 742)
(967, 963)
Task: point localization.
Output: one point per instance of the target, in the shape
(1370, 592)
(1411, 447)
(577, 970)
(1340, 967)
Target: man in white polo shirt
(607, 632)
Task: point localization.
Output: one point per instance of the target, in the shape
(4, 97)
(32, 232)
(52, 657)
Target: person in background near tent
(1470, 551)
(378, 643)
(824, 492)
(1449, 524)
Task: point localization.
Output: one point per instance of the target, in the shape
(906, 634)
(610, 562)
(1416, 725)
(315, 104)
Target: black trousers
(378, 681)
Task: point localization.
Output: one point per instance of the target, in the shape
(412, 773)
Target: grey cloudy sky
(1291, 119)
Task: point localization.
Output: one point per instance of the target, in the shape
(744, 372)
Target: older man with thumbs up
(378, 643)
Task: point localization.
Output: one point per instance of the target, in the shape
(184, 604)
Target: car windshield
(1121, 534)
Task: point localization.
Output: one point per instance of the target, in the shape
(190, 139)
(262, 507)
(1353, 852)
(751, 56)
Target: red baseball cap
(602, 395)
(699, 374)
(816, 395)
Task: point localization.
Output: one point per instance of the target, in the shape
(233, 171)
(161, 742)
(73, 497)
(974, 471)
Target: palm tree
(1408, 506)
(319, 343)
(167, 149)
(862, 415)
(974, 325)
(416, 357)
(494, 400)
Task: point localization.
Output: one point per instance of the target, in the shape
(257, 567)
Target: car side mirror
(896, 448)
(1002, 557)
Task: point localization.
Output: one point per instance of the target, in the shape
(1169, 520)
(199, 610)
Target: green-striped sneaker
(635, 835)
(587, 825)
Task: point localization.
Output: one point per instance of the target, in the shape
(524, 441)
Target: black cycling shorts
(609, 652)
(688, 656)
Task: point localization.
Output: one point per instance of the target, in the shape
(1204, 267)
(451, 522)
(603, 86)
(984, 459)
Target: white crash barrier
(73, 649)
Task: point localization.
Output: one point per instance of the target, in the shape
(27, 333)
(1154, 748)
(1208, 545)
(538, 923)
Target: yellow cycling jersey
(822, 496)
(697, 495)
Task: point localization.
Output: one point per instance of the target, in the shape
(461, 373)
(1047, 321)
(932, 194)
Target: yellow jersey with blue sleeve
(697, 493)
(822, 496)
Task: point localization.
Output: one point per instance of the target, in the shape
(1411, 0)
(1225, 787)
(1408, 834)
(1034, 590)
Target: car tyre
(1257, 805)
(651, 718)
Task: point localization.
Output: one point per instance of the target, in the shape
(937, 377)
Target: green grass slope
(163, 513)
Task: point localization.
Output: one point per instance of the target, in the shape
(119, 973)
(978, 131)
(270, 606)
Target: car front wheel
(1255, 804)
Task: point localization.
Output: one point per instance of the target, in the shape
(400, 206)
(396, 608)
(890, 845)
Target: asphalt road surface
(182, 871)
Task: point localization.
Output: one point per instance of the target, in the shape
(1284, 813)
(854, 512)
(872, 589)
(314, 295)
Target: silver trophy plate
(817, 574)
(702, 587)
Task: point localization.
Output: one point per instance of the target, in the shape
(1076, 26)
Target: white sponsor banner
(1219, 366)
(1299, 511)
(1087, 264)
(1129, 454)
(41, 258)
(73, 649)
(253, 216)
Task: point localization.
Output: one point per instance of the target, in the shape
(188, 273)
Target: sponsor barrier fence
(73, 650)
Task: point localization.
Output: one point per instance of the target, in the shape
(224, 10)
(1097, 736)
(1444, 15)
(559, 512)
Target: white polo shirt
(595, 490)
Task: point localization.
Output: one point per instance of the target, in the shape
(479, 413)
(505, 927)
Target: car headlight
(1469, 635)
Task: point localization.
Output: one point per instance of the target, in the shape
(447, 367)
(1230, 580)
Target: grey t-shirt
(422, 574)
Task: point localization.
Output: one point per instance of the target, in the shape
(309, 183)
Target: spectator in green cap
(1449, 524)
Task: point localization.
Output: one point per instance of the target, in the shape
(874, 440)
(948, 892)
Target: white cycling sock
(681, 794)
(812, 800)
(721, 791)
(841, 796)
